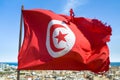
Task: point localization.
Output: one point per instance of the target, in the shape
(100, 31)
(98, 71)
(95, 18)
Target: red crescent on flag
(51, 40)
(59, 39)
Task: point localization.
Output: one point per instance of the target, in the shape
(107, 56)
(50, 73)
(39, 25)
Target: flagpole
(20, 40)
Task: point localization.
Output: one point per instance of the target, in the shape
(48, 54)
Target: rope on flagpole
(20, 40)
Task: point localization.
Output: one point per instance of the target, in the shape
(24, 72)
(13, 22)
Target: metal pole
(20, 40)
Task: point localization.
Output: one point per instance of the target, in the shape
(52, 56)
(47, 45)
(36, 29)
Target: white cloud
(73, 4)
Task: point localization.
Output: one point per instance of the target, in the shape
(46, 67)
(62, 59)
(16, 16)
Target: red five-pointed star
(61, 37)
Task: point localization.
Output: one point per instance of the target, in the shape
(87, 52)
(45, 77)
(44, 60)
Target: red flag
(54, 42)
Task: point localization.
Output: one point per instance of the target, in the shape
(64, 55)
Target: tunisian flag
(54, 42)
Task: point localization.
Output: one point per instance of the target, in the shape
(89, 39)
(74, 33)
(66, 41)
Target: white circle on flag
(60, 39)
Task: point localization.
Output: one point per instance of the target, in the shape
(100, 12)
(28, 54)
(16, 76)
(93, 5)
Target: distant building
(3, 66)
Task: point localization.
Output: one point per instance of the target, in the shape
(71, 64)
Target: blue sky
(105, 10)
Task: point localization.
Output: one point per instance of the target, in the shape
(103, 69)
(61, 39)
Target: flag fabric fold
(54, 42)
